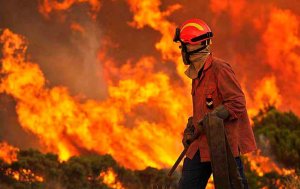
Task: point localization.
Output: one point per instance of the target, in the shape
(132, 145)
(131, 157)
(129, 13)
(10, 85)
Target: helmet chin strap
(189, 53)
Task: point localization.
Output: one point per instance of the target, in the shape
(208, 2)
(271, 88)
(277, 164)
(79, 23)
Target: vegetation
(270, 180)
(281, 132)
(80, 172)
(277, 133)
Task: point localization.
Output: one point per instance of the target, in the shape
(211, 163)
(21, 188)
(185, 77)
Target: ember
(109, 178)
(24, 175)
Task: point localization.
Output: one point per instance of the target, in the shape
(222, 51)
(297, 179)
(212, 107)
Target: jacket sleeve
(230, 90)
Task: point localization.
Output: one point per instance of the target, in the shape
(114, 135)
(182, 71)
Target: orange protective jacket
(219, 82)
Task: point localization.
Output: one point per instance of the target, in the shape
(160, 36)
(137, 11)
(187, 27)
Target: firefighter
(219, 101)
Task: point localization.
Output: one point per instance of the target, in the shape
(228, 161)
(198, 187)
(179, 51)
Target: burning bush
(279, 131)
(276, 163)
(277, 134)
(34, 169)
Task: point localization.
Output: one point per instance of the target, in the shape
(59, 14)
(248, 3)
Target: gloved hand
(188, 132)
(220, 112)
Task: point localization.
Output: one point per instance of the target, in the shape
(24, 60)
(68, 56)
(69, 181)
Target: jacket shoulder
(219, 64)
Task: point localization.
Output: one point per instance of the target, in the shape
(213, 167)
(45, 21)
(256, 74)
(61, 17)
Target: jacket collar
(208, 62)
(207, 65)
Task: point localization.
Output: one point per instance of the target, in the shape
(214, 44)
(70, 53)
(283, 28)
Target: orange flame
(116, 126)
(24, 175)
(77, 27)
(48, 6)
(8, 153)
(266, 93)
(281, 41)
(141, 121)
(148, 13)
(276, 53)
(109, 178)
(262, 165)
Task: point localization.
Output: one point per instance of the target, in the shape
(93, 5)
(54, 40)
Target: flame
(8, 153)
(276, 53)
(141, 120)
(262, 165)
(77, 27)
(48, 6)
(281, 40)
(277, 57)
(148, 13)
(24, 175)
(266, 93)
(64, 124)
(109, 178)
(210, 183)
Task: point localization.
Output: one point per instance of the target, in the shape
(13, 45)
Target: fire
(109, 178)
(65, 124)
(148, 13)
(24, 175)
(77, 27)
(262, 165)
(270, 58)
(284, 58)
(8, 153)
(267, 93)
(48, 6)
(141, 120)
(210, 183)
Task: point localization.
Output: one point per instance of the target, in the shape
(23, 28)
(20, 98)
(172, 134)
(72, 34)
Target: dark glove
(188, 132)
(221, 112)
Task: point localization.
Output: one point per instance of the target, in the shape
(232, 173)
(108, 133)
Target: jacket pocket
(210, 97)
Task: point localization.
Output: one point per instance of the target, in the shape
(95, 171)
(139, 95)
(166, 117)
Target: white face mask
(197, 61)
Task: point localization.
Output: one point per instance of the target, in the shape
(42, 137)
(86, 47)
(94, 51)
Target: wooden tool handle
(181, 156)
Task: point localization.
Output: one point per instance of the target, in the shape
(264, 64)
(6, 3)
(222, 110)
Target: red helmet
(193, 31)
